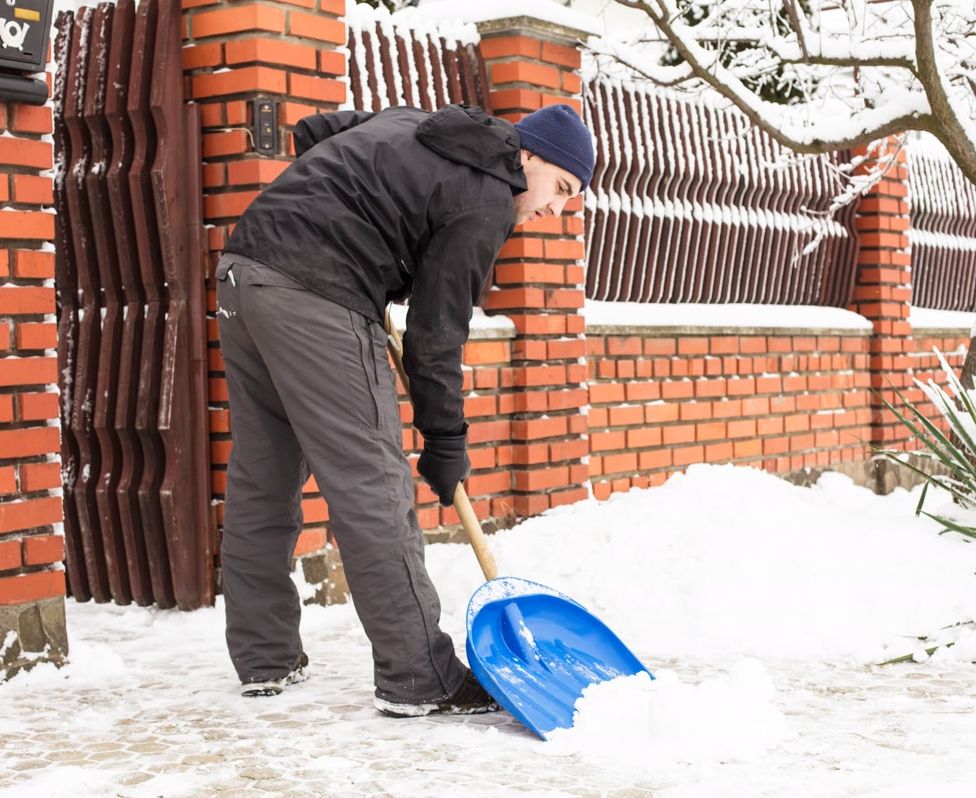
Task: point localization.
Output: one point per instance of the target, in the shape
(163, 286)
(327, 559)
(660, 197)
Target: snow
(638, 314)
(760, 606)
(482, 325)
(929, 318)
(545, 10)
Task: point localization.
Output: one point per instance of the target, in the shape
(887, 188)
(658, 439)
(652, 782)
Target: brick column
(234, 52)
(539, 280)
(882, 294)
(32, 624)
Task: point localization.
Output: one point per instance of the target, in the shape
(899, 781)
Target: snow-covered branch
(820, 76)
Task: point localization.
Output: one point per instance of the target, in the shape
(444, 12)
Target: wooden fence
(689, 203)
(131, 310)
(402, 64)
(942, 233)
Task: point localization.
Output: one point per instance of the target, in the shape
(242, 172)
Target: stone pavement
(149, 707)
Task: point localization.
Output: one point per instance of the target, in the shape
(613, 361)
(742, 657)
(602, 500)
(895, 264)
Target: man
(377, 207)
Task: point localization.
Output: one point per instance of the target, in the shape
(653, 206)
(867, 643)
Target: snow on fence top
(692, 203)
(409, 58)
(942, 231)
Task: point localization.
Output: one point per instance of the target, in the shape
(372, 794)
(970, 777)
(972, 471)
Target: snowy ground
(760, 606)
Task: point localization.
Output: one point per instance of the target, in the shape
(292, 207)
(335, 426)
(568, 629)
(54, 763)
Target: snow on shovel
(532, 648)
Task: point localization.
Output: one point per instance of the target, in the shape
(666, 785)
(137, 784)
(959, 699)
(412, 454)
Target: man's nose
(556, 206)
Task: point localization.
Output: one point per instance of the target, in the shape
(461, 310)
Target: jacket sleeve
(449, 279)
(318, 127)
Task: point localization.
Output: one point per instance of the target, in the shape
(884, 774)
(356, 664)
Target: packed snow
(762, 608)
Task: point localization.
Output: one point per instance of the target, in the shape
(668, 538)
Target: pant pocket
(367, 359)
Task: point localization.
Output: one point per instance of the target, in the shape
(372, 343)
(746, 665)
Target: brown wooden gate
(131, 310)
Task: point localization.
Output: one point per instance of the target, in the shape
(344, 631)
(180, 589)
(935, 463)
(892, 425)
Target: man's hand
(444, 463)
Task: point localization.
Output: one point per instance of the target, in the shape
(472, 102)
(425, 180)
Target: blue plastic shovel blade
(536, 650)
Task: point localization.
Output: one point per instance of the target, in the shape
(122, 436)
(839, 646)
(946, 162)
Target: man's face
(549, 187)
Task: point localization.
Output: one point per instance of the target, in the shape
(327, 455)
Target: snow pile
(725, 561)
(727, 718)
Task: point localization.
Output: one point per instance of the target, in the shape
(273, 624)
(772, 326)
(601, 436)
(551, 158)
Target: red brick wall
(539, 285)
(781, 401)
(234, 52)
(31, 544)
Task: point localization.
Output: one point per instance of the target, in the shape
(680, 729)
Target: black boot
(469, 699)
(266, 687)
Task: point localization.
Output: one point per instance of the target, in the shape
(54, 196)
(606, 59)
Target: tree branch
(949, 128)
(705, 66)
(794, 18)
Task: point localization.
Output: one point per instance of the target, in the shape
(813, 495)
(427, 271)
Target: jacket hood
(467, 135)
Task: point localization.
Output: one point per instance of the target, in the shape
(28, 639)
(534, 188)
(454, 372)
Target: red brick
(28, 371)
(202, 55)
(314, 26)
(37, 406)
(27, 225)
(240, 80)
(9, 554)
(33, 190)
(40, 476)
(325, 90)
(28, 514)
(36, 335)
(8, 480)
(26, 152)
(29, 442)
(534, 74)
(31, 119)
(502, 46)
(242, 17)
(516, 100)
(31, 587)
(43, 549)
(561, 54)
(270, 51)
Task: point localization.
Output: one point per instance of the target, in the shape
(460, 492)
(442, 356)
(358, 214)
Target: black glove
(444, 463)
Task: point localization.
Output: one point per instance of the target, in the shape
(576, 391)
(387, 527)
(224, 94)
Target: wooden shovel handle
(462, 504)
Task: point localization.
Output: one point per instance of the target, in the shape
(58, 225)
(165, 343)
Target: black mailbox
(24, 31)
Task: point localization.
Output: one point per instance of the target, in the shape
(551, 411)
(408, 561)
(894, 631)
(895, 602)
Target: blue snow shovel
(532, 648)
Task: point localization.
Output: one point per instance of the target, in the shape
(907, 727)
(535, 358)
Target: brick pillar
(32, 624)
(233, 53)
(882, 294)
(539, 280)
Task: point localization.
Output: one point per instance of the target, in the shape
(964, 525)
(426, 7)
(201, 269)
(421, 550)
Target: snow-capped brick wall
(32, 581)
(539, 277)
(882, 294)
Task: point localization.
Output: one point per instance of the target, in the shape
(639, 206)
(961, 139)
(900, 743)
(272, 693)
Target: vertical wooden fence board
(66, 290)
(106, 264)
(130, 346)
(156, 297)
(89, 311)
(184, 490)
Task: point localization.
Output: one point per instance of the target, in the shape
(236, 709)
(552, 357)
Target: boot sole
(393, 709)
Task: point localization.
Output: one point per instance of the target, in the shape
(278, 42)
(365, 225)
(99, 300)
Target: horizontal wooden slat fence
(403, 64)
(942, 233)
(690, 203)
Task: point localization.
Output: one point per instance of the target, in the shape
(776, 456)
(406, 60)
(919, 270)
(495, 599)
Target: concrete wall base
(31, 634)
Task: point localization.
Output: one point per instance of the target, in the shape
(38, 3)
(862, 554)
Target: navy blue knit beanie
(557, 134)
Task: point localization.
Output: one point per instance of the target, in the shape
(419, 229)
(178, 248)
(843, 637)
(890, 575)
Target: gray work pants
(310, 388)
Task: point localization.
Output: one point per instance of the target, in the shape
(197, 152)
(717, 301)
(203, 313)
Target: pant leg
(262, 511)
(329, 367)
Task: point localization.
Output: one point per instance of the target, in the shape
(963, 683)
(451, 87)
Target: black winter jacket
(381, 206)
